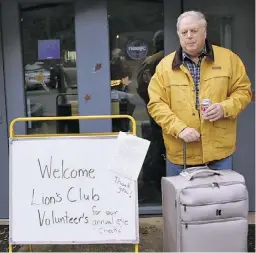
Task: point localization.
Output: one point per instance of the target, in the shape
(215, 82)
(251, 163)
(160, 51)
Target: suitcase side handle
(208, 172)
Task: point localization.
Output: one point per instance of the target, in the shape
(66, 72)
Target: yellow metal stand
(13, 135)
(30, 248)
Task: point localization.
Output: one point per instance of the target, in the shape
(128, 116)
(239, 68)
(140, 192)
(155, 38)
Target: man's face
(192, 35)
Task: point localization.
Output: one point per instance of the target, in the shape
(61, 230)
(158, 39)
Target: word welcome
(64, 173)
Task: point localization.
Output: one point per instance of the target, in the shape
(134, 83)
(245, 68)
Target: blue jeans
(223, 164)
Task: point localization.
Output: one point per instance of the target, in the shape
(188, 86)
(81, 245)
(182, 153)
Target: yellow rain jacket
(172, 94)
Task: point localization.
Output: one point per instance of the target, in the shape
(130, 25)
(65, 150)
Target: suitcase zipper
(186, 224)
(214, 184)
(224, 202)
(213, 203)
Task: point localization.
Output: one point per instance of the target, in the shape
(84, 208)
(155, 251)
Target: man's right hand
(189, 135)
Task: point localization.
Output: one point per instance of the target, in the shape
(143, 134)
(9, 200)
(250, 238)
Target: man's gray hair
(197, 14)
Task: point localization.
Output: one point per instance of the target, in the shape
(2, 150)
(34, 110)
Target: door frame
(4, 150)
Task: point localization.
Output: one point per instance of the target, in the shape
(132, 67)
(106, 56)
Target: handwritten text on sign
(69, 194)
(75, 194)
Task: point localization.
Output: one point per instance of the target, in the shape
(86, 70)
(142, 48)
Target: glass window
(49, 57)
(219, 30)
(136, 47)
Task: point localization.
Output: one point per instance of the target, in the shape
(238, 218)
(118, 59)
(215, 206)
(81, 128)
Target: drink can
(205, 103)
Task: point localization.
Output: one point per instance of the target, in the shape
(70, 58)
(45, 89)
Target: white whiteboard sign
(61, 192)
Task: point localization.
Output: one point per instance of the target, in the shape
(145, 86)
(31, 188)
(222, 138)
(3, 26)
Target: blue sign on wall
(48, 49)
(137, 50)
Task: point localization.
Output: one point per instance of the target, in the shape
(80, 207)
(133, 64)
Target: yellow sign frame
(27, 119)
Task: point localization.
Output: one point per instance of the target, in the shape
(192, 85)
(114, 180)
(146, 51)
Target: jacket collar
(178, 58)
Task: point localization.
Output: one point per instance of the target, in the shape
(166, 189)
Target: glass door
(49, 58)
(136, 46)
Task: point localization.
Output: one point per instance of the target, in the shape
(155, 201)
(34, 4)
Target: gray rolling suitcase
(205, 210)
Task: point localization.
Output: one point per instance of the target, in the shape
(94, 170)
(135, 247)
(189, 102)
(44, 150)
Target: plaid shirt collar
(201, 55)
(177, 61)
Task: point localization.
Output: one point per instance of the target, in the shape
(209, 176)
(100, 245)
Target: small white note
(129, 156)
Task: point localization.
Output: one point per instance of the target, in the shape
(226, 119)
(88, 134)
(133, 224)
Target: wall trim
(4, 222)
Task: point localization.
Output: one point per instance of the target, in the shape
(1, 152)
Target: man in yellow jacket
(198, 71)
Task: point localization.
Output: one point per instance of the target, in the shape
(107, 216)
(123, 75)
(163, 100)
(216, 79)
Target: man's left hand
(213, 112)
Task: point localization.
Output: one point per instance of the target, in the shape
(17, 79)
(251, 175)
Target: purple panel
(48, 49)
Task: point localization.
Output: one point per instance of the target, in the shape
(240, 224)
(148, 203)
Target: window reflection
(49, 57)
(136, 47)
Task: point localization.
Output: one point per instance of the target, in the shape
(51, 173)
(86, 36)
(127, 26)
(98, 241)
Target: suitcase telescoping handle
(200, 171)
(184, 155)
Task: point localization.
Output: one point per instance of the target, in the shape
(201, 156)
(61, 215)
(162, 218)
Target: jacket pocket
(179, 96)
(220, 124)
(218, 84)
(224, 132)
